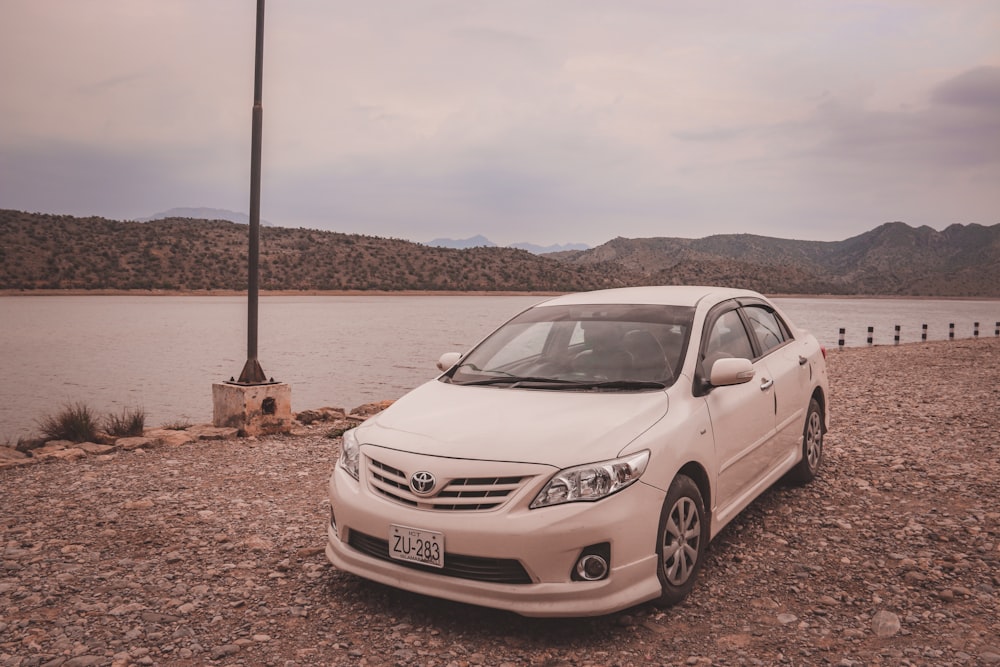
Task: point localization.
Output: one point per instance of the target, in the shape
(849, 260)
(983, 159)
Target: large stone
(321, 415)
(885, 624)
(95, 449)
(137, 442)
(256, 409)
(208, 432)
(171, 437)
(10, 457)
(59, 453)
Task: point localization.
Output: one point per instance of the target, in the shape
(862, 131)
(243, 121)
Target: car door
(787, 367)
(742, 415)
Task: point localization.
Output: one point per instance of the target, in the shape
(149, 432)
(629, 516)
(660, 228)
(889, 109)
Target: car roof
(669, 295)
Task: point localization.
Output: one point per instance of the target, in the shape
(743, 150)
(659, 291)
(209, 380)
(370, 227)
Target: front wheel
(812, 446)
(682, 540)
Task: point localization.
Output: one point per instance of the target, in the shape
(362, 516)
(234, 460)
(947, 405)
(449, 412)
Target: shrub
(75, 423)
(131, 422)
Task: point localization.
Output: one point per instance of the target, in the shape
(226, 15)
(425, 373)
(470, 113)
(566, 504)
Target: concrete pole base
(256, 409)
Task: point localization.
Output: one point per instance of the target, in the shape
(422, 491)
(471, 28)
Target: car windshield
(582, 347)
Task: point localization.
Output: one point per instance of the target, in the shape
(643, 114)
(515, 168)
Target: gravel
(211, 553)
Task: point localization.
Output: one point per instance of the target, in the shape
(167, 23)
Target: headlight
(593, 481)
(350, 453)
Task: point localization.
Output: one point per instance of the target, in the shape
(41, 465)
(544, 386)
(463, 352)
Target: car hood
(558, 428)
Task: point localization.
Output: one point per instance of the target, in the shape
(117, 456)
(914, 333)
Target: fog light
(592, 567)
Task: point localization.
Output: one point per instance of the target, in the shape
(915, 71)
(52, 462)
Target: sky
(541, 121)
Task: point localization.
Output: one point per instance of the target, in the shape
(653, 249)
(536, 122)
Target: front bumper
(546, 542)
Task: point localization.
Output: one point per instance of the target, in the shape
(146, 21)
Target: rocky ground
(210, 552)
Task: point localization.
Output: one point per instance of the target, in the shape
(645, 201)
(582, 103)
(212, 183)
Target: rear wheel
(682, 540)
(812, 446)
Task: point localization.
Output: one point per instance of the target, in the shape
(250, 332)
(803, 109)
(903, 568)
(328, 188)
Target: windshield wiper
(614, 384)
(557, 383)
(515, 380)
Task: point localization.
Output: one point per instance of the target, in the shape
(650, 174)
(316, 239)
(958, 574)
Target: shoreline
(325, 414)
(317, 292)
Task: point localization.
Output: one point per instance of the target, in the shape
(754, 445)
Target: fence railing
(923, 333)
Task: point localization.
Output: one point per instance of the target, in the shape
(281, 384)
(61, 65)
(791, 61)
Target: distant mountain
(203, 213)
(544, 250)
(39, 251)
(480, 241)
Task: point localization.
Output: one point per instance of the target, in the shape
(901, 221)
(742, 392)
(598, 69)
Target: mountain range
(203, 213)
(892, 259)
(480, 241)
(41, 251)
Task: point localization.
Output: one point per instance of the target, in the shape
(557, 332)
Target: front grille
(466, 494)
(494, 570)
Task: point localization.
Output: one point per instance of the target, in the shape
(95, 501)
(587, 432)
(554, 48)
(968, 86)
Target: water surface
(163, 353)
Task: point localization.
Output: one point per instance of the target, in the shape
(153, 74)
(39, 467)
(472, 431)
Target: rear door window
(768, 328)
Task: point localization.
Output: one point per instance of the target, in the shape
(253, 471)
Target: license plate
(416, 546)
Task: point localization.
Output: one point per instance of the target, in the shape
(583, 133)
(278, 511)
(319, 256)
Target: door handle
(802, 360)
(765, 384)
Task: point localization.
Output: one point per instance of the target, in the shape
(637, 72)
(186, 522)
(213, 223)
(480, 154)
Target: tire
(812, 446)
(681, 540)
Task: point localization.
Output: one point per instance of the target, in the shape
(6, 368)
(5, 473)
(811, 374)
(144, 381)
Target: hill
(892, 259)
(39, 251)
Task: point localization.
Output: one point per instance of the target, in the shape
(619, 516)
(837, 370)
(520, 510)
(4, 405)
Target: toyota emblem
(422, 483)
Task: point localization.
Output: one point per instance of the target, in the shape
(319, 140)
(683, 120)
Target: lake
(163, 353)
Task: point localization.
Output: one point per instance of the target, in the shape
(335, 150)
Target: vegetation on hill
(39, 251)
(892, 259)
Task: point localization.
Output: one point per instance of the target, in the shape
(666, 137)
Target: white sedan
(580, 458)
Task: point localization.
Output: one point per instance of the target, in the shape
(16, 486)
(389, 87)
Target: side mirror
(731, 371)
(448, 359)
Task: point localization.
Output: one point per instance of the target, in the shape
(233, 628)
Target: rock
(258, 543)
(57, 450)
(95, 449)
(885, 624)
(171, 437)
(10, 457)
(225, 650)
(321, 415)
(84, 661)
(209, 432)
(137, 442)
(369, 409)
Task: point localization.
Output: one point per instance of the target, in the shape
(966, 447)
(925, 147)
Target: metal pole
(252, 371)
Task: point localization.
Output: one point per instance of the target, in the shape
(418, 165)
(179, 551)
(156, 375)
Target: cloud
(81, 179)
(978, 88)
(569, 120)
